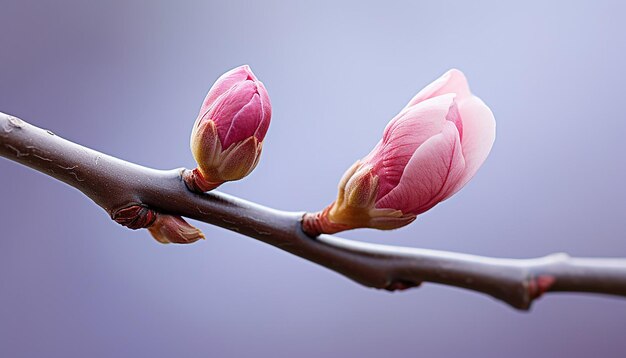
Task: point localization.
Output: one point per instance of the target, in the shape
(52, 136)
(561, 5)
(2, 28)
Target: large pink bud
(227, 137)
(428, 152)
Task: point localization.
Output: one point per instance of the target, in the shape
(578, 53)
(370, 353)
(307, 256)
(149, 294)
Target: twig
(115, 184)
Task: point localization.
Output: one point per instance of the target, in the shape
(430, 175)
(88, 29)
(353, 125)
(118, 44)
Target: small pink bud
(428, 152)
(227, 137)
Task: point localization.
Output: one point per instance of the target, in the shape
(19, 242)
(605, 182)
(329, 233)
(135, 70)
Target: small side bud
(227, 137)
(164, 228)
(168, 229)
(135, 217)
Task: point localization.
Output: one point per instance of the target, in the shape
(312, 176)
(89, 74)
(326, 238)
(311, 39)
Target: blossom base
(315, 224)
(194, 180)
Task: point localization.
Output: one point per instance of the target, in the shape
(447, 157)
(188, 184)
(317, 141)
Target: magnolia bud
(227, 137)
(428, 152)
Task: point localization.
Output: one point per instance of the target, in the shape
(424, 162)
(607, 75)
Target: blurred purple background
(128, 77)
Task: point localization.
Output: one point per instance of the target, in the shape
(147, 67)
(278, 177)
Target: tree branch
(115, 184)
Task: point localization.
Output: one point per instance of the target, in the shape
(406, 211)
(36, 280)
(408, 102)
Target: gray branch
(115, 184)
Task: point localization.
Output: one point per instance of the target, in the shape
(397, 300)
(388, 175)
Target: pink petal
(267, 112)
(224, 83)
(434, 167)
(228, 105)
(403, 135)
(452, 81)
(454, 116)
(244, 123)
(479, 133)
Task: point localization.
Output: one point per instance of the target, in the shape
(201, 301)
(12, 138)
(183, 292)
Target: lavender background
(128, 77)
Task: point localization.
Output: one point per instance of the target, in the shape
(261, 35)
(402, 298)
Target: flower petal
(479, 133)
(224, 83)
(228, 106)
(452, 81)
(267, 112)
(245, 122)
(403, 136)
(435, 166)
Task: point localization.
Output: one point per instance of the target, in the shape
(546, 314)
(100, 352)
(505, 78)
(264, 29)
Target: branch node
(12, 123)
(539, 285)
(315, 224)
(195, 182)
(311, 224)
(135, 216)
(401, 285)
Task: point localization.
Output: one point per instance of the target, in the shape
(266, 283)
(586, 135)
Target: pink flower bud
(227, 137)
(428, 152)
